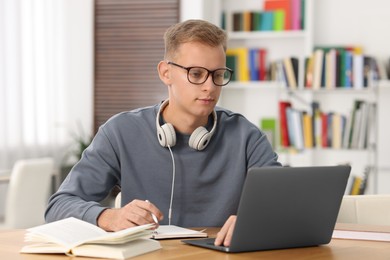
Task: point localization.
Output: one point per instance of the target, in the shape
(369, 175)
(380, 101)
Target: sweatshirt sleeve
(260, 151)
(89, 182)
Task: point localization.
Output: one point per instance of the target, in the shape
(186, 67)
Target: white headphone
(199, 139)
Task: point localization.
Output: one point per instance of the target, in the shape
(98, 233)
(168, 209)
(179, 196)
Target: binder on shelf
(267, 21)
(284, 136)
(340, 66)
(317, 68)
(291, 68)
(296, 14)
(249, 64)
(242, 63)
(231, 62)
(316, 123)
(307, 130)
(337, 130)
(279, 21)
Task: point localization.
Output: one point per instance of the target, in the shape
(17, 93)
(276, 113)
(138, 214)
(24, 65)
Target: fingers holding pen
(135, 213)
(141, 212)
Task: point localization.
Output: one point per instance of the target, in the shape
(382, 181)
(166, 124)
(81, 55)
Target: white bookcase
(257, 100)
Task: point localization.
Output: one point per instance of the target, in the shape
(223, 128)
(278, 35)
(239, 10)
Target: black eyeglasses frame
(209, 72)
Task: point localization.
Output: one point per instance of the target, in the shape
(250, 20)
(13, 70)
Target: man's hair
(193, 31)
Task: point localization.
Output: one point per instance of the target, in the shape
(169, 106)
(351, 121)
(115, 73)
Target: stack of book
(247, 64)
(357, 183)
(308, 129)
(274, 15)
(341, 66)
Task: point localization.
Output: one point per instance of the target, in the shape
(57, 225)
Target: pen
(153, 216)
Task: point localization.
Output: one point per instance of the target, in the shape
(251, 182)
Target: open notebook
(171, 231)
(282, 207)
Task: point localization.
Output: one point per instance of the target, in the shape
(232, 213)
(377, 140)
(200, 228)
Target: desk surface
(11, 241)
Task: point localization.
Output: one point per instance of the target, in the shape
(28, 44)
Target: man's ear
(164, 73)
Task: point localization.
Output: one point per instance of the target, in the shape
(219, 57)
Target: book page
(171, 231)
(72, 232)
(68, 232)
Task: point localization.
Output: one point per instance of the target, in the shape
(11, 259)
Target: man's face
(190, 99)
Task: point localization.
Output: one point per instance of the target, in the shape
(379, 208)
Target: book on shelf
(285, 71)
(263, 67)
(316, 123)
(267, 21)
(307, 120)
(337, 130)
(324, 129)
(231, 62)
(315, 128)
(242, 62)
(273, 15)
(75, 237)
(249, 64)
(340, 66)
(253, 64)
(291, 67)
(331, 69)
(279, 20)
(283, 124)
(296, 14)
(317, 68)
(360, 126)
(309, 71)
(280, 6)
(295, 128)
(358, 182)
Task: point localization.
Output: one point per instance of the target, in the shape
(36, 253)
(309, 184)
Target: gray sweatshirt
(126, 152)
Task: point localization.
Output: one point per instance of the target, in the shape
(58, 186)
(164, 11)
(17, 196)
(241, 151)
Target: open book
(171, 231)
(72, 236)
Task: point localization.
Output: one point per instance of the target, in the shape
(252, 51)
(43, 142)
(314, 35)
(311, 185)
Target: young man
(183, 160)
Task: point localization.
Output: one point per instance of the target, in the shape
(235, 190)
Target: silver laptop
(286, 207)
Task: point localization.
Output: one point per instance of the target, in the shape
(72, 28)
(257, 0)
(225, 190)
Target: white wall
(357, 22)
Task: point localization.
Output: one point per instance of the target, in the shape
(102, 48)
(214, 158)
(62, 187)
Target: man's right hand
(135, 213)
(224, 236)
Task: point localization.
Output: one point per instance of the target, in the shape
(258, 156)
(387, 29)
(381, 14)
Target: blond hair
(193, 31)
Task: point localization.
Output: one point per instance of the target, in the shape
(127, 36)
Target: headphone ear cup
(166, 135)
(199, 139)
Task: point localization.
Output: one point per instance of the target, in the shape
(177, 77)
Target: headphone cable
(173, 186)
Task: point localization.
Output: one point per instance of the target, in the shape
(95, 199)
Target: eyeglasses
(199, 75)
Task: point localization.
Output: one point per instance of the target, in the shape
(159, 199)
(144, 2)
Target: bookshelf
(259, 99)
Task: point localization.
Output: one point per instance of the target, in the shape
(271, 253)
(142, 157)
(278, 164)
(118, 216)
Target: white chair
(365, 209)
(28, 192)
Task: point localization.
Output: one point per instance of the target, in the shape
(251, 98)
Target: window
(128, 46)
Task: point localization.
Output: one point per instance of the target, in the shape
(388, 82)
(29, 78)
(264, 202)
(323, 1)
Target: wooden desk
(11, 242)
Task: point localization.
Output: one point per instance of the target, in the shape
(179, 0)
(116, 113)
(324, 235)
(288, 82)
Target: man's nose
(209, 83)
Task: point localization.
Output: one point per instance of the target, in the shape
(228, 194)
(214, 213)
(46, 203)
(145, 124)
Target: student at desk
(184, 156)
